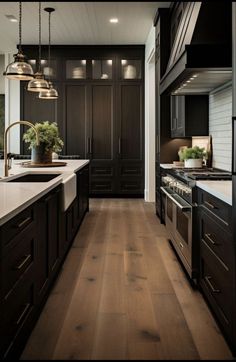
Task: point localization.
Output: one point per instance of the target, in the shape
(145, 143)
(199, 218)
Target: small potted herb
(192, 157)
(49, 142)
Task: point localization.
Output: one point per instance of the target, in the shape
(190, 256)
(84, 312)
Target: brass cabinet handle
(208, 236)
(213, 289)
(22, 264)
(210, 205)
(23, 314)
(22, 223)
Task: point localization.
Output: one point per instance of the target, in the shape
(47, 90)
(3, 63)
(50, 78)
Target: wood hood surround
(202, 46)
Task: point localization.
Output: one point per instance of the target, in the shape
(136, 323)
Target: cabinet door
(35, 110)
(174, 110)
(53, 206)
(76, 98)
(180, 125)
(101, 139)
(177, 116)
(130, 139)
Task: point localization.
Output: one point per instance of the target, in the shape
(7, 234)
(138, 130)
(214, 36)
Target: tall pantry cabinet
(100, 111)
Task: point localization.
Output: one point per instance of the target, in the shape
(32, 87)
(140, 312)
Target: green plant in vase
(192, 156)
(49, 139)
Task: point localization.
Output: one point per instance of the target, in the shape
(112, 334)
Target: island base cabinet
(48, 242)
(33, 245)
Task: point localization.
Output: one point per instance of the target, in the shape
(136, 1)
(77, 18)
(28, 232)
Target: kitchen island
(38, 222)
(14, 197)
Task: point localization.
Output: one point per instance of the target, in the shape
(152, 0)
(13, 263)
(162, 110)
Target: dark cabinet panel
(189, 116)
(217, 261)
(52, 230)
(130, 107)
(76, 112)
(99, 111)
(102, 122)
(34, 109)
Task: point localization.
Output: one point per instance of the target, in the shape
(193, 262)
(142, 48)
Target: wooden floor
(122, 294)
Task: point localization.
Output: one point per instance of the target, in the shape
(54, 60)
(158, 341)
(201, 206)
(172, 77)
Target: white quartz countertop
(15, 197)
(220, 189)
(167, 165)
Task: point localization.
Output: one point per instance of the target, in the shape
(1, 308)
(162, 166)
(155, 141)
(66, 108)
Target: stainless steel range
(180, 194)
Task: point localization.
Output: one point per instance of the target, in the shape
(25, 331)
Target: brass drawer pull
(22, 264)
(181, 245)
(208, 236)
(23, 314)
(22, 223)
(210, 205)
(208, 280)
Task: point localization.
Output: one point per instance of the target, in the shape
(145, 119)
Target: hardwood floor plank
(111, 337)
(122, 294)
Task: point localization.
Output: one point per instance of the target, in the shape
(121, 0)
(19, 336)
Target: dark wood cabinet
(100, 112)
(217, 261)
(33, 245)
(189, 116)
(76, 120)
(130, 140)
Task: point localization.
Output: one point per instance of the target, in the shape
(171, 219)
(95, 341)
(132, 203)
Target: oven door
(179, 225)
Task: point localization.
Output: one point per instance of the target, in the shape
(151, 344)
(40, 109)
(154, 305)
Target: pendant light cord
(39, 66)
(20, 15)
(49, 43)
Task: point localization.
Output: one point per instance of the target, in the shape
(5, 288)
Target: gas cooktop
(202, 174)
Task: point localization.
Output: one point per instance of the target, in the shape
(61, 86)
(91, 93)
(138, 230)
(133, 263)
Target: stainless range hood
(201, 56)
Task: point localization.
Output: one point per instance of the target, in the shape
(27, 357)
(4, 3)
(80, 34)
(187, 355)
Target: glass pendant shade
(38, 84)
(19, 69)
(51, 93)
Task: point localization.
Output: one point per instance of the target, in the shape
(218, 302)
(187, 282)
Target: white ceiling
(79, 22)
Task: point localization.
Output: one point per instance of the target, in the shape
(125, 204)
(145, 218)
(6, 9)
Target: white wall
(220, 127)
(2, 79)
(149, 192)
(12, 108)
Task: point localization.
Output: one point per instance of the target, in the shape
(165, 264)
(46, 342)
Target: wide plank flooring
(122, 294)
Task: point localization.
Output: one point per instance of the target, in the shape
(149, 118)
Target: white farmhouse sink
(69, 190)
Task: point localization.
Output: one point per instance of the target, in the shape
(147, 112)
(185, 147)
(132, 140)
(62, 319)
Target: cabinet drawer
(217, 283)
(17, 224)
(101, 186)
(102, 171)
(16, 311)
(17, 261)
(217, 207)
(131, 185)
(217, 239)
(128, 170)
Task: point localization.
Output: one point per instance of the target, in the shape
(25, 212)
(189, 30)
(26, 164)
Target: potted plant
(192, 157)
(49, 142)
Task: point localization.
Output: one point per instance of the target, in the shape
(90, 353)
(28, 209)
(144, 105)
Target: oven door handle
(171, 197)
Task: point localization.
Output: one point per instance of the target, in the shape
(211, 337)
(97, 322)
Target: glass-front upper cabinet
(76, 69)
(102, 69)
(46, 70)
(131, 69)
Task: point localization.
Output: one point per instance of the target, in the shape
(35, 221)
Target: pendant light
(19, 69)
(38, 84)
(51, 93)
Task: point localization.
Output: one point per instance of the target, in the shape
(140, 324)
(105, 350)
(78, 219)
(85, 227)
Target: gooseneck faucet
(6, 167)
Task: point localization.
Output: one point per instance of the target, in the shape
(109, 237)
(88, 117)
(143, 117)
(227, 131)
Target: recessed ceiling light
(113, 20)
(12, 18)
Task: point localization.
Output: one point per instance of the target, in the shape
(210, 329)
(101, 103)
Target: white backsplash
(220, 127)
